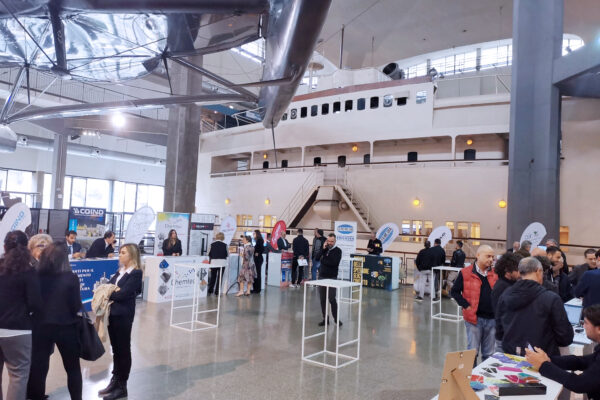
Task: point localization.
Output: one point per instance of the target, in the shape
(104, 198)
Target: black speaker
(265, 165)
(341, 161)
(367, 159)
(412, 156)
(284, 163)
(469, 154)
(317, 161)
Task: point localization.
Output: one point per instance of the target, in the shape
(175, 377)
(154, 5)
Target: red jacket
(472, 290)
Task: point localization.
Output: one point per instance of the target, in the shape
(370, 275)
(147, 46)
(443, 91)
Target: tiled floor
(255, 353)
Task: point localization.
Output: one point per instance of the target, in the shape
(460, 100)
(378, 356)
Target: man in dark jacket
(102, 247)
(438, 259)
(558, 368)
(529, 315)
(525, 249)
(420, 262)
(282, 243)
(591, 256)
(507, 269)
(301, 250)
(330, 264)
(554, 243)
(458, 257)
(374, 246)
(556, 275)
(317, 250)
(589, 288)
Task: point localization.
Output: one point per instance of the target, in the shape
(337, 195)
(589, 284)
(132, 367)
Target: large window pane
(67, 193)
(130, 192)
(118, 199)
(19, 181)
(2, 179)
(142, 196)
(78, 192)
(156, 197)
(97, 193)
(47, 191)
(470, 61)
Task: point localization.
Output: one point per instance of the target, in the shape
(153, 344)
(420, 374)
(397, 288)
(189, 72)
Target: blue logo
(386, 234)
(164, 264)
(345, 229)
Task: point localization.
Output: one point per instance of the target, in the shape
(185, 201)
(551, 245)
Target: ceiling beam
(577, 63)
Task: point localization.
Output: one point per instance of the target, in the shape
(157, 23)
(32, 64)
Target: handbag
(91, 346)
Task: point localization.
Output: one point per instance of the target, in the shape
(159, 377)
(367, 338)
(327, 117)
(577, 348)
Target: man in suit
(102, 247)
(330, 263)
(590, 264)
(301, 251)
(282, 243)
(73, 248)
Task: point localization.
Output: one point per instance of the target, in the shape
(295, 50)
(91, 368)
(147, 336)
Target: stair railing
(300, 196)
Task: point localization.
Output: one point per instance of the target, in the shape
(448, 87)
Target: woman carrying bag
(57, 324)
(120, 321)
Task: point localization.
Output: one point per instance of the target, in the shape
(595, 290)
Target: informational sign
(535, 232)
(87, 222)
(165, 221)
(278, 229)
(138, 224)
(93, 273)
(387, 234)
(441, 232)
(201, 233)
(373, 272)
(17, 218)
(163, 277)
(345, 232)
(228, 227)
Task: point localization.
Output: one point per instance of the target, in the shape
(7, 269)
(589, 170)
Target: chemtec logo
(345, 229)
(96, 212)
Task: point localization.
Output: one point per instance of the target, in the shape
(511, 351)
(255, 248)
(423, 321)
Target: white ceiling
(407, 28)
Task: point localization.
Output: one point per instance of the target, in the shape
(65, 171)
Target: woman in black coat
(57, 323)
(172, 245)
(259, 249)
(120, 321)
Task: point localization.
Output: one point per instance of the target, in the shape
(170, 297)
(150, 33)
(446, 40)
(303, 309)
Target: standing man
(507, 269)
(530, 315)
(515, 247)
(438, 259)
(374, 246)
(458, 257)
(282, 243)
(556, 275)
(578, 271)
(554, 243)
(217, 254)
(317, 251)
(423, 274)
(589, 287)
(525, 249)
(301, 250)
(73, 248)
(330, 263)
(102, 247)
(472, 290)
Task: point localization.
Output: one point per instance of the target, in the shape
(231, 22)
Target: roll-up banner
(165, 221)
(345, 232)
(535, 232)
(278, 229)
(89, 223)
(138, 225)
(228, 227)
(201, 233)
(17, 218)
(387, 234)
(441, 232)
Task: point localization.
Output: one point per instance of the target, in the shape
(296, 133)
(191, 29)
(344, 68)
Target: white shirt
(122, 274)
(480, 272)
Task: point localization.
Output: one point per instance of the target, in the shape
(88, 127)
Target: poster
(373, 272)
(164, 278)
(228, 227)
(387, 234)
(165, 221)
(535, 232)
(93, 273)
(17, 218)
(345, 232)
(138, 225)
(201, 233)
(88, 222)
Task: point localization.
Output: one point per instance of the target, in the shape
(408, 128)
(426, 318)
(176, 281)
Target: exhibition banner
(535, 232)
(371, 271)
(278, 229)
(441, 232)
(138, 225)
(201, 233)
(164, 278)
(165, 221)
(88, 222)
(17, 218)
(93, 273)
(387, 234)
(345, 232)
(228, 227)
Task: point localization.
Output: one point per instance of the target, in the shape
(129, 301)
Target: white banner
(345, 232)
(387, 234)
(138, 225)
(535, 232)
(201, 233)
(228, 227)
(17, 218)
(165, 221)
(441, 232)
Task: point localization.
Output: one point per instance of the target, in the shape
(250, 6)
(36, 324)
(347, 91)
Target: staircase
(360, 206)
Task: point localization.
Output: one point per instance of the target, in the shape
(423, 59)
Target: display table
(376, 271)
(194, 272)
(92, 273)
(553, 388)
(353, 288)
(160, 272)
(438, 294)
(280, 269)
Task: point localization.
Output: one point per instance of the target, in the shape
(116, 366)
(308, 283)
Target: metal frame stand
(441, 315)
(354, 287)
(196, 301)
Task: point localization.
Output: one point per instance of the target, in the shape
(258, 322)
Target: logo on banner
(276, 234)
(95, 212)
(163, 264)
(535, 232)
(345, 229)
(441, 232)
(387, 234)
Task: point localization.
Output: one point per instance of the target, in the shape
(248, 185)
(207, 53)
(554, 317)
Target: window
(78, 192)
(388, 100)
(421, 96)
(427, 228)
(67, 192)
(450, 225)
(47, 191)
(475, 232)
(284, 117)
(417, 228)
(142, 196)
(3, 173)
(336, 107)
(118, 200)
(19, 181)
(360, 104)
(348, 105)
(405, 230)
(156, 197)
(314, 111)
(266, 221)
(253, 50)
(462, 230)
(303, 112)
(293, 113)
(97, 193)
(242, 165)
(130, 193)
(401, 101)
(325, 109)
(374, 102)
(244, 220)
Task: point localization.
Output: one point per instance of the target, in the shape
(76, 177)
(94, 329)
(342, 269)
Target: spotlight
(469, 142)
(502, 204)
(355, 148)
(118, 120)
(416, 202)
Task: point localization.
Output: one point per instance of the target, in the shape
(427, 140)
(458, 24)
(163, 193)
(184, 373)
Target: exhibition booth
(376, 271)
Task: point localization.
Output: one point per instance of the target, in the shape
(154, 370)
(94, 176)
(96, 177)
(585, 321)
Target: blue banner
(93, 273)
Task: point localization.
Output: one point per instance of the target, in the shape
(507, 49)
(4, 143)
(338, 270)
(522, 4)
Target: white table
(553, 388)
(438, 294)
(353, 289)
(192, 272)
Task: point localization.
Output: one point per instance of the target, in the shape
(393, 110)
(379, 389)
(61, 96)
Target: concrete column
(303, 154)
(183, 142)
(59, 167)
(533, 178)
(38, 182)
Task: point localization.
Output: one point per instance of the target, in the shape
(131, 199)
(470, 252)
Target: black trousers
(119, 332)
(214, 283)
(297, 272)
(258, 260)
(66, 338)
(323, 295)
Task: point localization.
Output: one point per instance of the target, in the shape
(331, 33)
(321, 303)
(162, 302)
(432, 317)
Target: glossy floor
(255, 353)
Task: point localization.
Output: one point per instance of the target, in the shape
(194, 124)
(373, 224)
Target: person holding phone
(330, 264)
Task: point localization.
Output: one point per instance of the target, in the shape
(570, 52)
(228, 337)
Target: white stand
(441, 315)
(193, 321)
(354, 287)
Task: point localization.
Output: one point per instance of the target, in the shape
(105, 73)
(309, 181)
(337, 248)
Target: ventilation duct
(8, 140)
(393, 71)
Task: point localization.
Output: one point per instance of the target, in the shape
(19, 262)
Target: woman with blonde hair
(248, 272)
(37, 244)
(120, 321)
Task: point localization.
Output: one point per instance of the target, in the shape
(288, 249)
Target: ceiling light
(265, 156)
(118, 120)
(469, 142)
(416, 202)
(355, 148)
(231, 107)
(267, 201)
(502, 204)
(227, 201)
